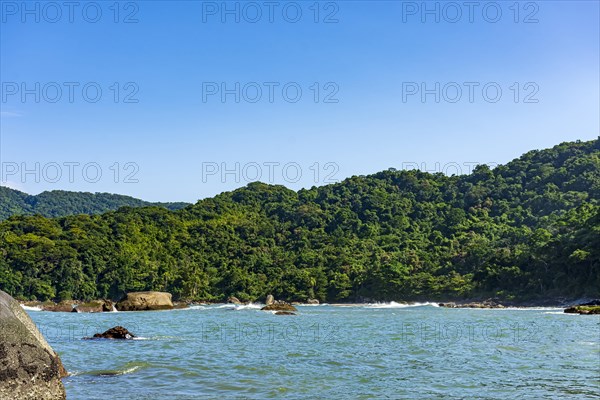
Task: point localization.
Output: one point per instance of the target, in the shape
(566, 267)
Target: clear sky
(192, 88)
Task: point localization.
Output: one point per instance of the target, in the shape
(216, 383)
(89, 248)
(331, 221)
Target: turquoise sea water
(358, 352)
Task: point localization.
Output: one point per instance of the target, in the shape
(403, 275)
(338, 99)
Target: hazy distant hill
(60, 203)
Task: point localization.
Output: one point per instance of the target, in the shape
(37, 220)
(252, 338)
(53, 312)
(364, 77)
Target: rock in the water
(285, 313)
(270, 300)
(145, 301)
(279, 307)
(63, 306)
(95, 306)
(583, 310)
(118, 332)
(108, 306)
(312, 301)
(29, 368)
(489, 303)
(233, 300)
(447, 305)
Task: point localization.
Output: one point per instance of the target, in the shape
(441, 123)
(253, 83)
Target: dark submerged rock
(118, 332)
(29, 367)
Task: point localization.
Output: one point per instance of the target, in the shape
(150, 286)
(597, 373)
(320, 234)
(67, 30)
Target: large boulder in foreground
(29, 368)
(145, 301)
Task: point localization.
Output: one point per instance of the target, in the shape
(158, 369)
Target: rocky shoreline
(134, 301)
(154, 301)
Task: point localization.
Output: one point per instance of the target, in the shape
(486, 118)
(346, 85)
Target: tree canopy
(527, 229)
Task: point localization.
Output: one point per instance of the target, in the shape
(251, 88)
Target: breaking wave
(28, 308)
(393, 304)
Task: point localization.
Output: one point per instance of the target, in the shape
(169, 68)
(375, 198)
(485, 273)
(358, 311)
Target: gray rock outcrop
(29, 368)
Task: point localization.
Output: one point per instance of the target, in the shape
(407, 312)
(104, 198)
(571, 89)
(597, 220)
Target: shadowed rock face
(118, 332)
(29, 368)
(145, 301)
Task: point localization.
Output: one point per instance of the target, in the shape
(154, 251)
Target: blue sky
(366, 58)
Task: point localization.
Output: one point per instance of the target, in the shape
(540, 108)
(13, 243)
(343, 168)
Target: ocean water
(377, 351)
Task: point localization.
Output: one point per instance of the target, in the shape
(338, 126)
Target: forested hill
(527, 229)
(59, 203)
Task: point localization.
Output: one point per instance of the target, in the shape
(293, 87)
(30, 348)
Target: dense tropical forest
(59, 203)
(525, 230)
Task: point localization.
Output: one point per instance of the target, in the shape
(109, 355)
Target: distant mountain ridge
(62, 203)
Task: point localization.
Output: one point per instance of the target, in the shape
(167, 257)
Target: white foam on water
(228, 306)
(393, 304)
(109, 372)
(239, 307)
(130, 370)
(250, 306)
(190, 308)
(125, 371)
(28, 308)
(520, 309)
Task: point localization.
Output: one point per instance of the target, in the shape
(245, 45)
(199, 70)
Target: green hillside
(528, 229)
